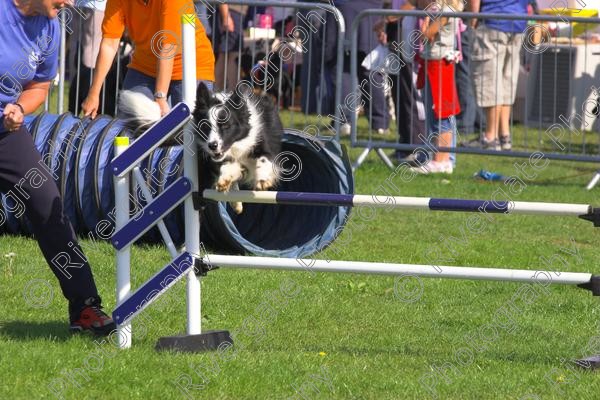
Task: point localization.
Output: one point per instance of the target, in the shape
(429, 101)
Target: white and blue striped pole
(423, 203)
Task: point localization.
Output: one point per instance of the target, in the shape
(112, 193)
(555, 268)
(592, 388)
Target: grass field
(340, 336)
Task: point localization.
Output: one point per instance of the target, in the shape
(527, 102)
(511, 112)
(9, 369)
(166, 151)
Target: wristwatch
(160, 95)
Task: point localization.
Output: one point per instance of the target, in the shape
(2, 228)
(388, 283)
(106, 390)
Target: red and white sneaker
(93, 319)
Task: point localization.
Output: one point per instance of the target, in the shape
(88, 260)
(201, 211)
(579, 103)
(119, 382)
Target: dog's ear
(202, 97)
(242, 93)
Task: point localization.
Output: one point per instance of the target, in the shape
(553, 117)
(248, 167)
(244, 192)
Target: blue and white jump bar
(156, 135)
(155, 211)
(153, 288)
(583, 280)
(424, 203)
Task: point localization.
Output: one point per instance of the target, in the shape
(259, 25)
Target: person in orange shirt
(156, 67)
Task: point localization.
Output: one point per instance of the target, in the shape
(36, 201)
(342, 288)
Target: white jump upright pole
(194, 340)
(190, 168)
(124, 255)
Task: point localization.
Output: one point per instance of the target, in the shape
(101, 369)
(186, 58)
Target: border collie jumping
(238, 134)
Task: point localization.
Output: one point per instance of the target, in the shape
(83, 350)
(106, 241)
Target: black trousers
(376, 109)
(26, 180)
(405, 95)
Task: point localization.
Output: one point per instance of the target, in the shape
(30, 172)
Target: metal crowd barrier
(288, 58)
(556, 107)
(287, 51)
(296, 58)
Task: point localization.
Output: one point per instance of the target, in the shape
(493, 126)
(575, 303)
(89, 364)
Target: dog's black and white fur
(238, 134)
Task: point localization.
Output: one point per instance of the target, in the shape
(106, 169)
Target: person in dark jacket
(373, 96)
(31, 27)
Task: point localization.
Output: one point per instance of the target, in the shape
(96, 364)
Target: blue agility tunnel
(286, 230)
(79, 152)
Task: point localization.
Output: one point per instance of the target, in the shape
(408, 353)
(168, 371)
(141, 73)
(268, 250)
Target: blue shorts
(435, 126)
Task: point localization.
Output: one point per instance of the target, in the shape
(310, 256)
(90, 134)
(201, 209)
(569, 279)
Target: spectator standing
(375, 69)
(407, 98)
(228, 41)
(203, 16)
(436, 77)
(495, 61)
(373, 100)
(470, 114)
(316, 80)
(84, 45)
(156, 68)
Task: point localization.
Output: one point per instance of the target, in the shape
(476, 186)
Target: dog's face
(221, 121)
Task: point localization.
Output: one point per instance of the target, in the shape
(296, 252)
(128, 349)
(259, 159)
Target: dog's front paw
(224, 184)
(237, 206)
(264, 184)
(265, 176)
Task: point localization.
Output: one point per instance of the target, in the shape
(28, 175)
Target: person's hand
(164, 106)
(227, 24)
(13, 117)
(425, 24)
(90, 105)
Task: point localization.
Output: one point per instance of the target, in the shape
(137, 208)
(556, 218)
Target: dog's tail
(137, 110)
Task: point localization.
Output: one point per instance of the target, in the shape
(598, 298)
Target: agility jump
(191, 262)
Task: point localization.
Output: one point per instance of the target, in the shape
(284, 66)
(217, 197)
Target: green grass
(370, 337)
(371, 344)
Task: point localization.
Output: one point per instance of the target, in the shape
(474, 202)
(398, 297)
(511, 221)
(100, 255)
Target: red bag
(440, 74)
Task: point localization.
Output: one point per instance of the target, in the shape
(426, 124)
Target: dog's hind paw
(264, 184)
(237, 206)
